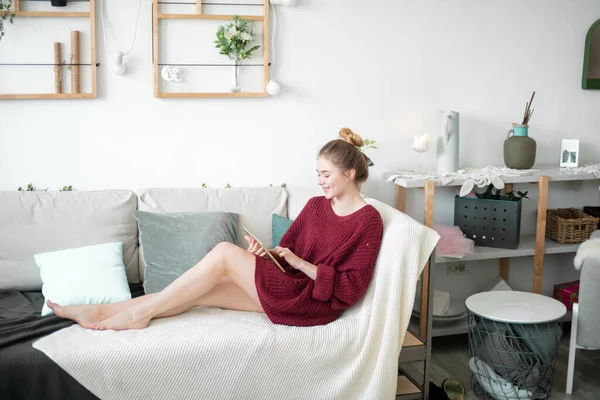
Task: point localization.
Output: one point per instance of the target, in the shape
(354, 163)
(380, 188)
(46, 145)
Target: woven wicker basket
(569, 225)
(593, 211)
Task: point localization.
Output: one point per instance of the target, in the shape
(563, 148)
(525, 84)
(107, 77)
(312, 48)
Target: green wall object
(591, 60)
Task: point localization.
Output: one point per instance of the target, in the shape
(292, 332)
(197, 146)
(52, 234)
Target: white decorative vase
(447, 142)
(236, 85)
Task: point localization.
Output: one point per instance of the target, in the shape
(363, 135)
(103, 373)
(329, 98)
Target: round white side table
(513, 343)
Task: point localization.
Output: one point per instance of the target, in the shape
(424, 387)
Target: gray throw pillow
(172, 243)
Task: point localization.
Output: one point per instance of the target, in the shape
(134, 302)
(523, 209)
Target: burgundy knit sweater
(344, 249)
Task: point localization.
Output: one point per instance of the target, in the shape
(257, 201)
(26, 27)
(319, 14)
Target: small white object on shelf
(497, 284)
(421, 143)
(447, 142)
(569, 153)
(441, 302)
(456, 313)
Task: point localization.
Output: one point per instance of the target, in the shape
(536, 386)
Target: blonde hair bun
(347, 135)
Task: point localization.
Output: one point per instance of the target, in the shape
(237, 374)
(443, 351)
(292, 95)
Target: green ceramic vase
(519, 149)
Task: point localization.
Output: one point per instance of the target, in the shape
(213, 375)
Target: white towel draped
(210, 353)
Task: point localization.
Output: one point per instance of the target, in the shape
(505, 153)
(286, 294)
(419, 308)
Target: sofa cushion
(85, 275)
(39, 222)
(299, 196)
(172, 243)
(280, 225)
(254, 206)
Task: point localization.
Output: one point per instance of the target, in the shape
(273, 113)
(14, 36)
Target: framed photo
(569, 153)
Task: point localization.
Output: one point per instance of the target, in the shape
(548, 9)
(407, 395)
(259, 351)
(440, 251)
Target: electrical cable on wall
(118, 66)
(273, 87)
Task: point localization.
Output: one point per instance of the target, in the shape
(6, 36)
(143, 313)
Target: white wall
(384, 68)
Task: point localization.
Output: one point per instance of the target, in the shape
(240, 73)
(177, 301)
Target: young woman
(329, 255)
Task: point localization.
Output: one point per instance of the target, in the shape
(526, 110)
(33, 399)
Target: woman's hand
(296, 262)
(292, 259)
(254, 247)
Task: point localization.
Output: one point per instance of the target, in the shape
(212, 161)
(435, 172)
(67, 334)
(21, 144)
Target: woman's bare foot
(84, 315)
(127, 319)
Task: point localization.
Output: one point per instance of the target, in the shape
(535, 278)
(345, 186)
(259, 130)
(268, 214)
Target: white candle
(421, 143)
(416, 141)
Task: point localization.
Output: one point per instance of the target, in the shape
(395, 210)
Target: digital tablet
(267, 252)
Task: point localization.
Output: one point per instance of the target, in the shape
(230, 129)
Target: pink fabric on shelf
(452, 242)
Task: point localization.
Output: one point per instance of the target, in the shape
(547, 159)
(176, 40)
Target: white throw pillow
(86, 275)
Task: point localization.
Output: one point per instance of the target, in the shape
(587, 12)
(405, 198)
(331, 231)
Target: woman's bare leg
(225, 259)
(87, 314)
(225, 295)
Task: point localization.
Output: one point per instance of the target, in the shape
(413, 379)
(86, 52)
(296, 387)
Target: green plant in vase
(6, 14)
(368, 144)
(496, 194)
(234, 41)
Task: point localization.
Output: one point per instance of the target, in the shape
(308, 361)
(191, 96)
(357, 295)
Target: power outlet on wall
(456, 267)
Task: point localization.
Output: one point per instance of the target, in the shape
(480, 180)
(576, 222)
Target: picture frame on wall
(569, 153)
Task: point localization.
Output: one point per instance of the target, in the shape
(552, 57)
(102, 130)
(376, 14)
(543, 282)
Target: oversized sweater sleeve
(346, 279)
(288, 239)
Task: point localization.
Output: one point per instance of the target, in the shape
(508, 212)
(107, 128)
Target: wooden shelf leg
(508, 188)
(401, 199)
(17, 6)
(540, 235)
(504, 264)
(429, 201)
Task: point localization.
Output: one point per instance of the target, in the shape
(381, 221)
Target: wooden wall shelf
(166, 95)
(52, 14)
(264, 19)
(25, 96)
(221, 17)
(91, 15)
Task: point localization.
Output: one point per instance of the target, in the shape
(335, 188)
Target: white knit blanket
(210, 353)
(590, 249)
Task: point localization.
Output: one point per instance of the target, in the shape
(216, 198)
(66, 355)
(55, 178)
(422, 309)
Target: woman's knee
(224, 246)
(224, 249)
(226, 252)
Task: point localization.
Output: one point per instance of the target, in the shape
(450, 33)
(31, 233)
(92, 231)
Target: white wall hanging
(273, 86)
(116, 56)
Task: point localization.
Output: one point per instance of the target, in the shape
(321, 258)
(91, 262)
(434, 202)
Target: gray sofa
(36, 222)
(354, 357)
